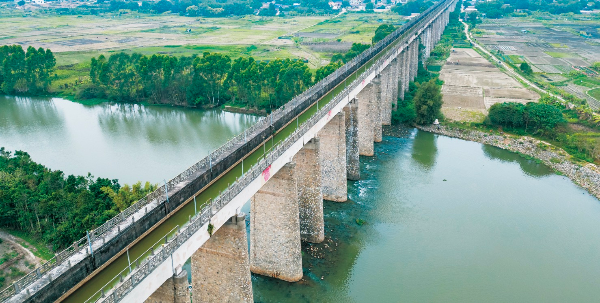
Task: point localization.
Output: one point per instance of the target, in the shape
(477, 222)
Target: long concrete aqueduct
(286, 188)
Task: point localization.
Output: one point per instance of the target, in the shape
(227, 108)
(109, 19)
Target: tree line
(210, 80)
(25, 72)
(55, 208)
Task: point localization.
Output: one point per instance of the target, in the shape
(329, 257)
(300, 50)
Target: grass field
(595, 93)
(559, 55)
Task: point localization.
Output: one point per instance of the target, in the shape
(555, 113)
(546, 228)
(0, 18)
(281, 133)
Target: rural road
(507, 68)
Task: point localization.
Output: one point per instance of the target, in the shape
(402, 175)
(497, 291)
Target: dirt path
(14, 241)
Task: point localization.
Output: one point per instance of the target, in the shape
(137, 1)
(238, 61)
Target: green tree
(507, 114)
(428, 102)
(369, 6)
(381, 32)
(542, 117)
(326, 70)
(526, 69)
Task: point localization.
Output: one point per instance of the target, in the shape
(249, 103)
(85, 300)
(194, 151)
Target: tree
(326, 70)
(542, 116)
(507, 114)
(369, 6)
(21, 3)
(428, 102)
(382, 31)
(526, 69)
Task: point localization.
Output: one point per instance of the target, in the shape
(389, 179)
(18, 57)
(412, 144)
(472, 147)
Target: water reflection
(129, 142)
(41, 113)
(528, 166)
(424, 149)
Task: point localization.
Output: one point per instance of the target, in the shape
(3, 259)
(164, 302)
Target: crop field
(76, 39)
(472, 85)
(553, 48)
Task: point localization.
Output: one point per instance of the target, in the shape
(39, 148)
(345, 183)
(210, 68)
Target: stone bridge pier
(275, 227)
(220, 268)
(175, 290)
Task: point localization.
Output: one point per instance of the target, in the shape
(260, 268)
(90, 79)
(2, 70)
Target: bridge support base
(174, 290)
(275, 228)
(352, 155)
(333, 159)
(220, 268)
(310, 197)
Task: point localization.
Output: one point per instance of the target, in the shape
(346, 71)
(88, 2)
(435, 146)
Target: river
(445, 220)
(121, 141)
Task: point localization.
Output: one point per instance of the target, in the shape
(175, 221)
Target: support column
(220, 268)
(352, 154)
(275, 228)
(414, 62)
(376, 111)
(386, 94)
(402, 75)
(395, 71)
(175, 290)
(365, 125)
(333, 159)
(310, 197)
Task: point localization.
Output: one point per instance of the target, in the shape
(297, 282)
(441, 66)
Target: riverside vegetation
(57, 209)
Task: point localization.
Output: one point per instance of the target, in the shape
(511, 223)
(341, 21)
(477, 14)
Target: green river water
(500, 228)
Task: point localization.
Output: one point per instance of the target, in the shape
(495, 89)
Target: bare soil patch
(472, 85)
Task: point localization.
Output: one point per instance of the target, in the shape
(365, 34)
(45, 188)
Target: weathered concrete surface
(395, 75)
(174, 290)
(376, 109)
(387, 94)
(365, 123)
(333, 159)
(402, 75)
(220, 268)
(310, 197)
(352, 154)
(275, 228)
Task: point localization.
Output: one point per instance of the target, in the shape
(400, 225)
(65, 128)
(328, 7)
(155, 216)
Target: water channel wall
(53, 287)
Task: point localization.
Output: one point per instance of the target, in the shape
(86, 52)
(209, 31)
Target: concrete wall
(333, 159)
(310, 197)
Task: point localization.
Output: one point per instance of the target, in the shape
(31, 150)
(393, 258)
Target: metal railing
(159, 195)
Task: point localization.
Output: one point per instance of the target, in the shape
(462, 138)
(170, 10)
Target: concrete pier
(376, 112)
(275, 228)
(333, 159)
(220, 268)
(402, 74)
(174, 290)
(386, 94)
(395, 75)
(310, 197)
(352, 154)
(365, 124)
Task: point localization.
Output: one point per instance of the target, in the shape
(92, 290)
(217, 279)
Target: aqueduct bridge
(286, 164)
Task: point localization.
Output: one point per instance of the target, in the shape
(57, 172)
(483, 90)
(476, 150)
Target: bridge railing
(159, 195)
(233, 190)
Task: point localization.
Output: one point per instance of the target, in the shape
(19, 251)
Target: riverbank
(586, 176)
